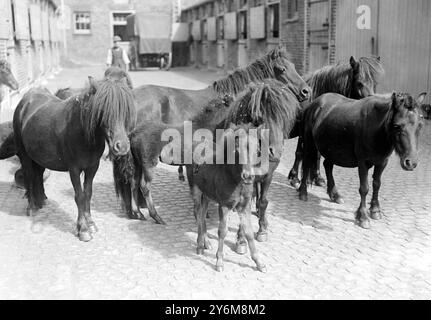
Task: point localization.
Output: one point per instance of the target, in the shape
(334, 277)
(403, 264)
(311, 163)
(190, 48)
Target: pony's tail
(124, 172)
(310, 153)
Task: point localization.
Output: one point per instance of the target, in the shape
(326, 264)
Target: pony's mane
(256, 71)
(338, 78)
(218, 108)
(268, 102)
(111, 104)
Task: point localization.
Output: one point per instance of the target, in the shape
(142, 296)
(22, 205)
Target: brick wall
(93, 47)
(293, 33)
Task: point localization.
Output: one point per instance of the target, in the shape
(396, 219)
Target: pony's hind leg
(199, 212)
(375, 212)
(30, 179)
(332, 189)
(84, 233)
(146, 180)
(262, 234)
(362, 215)
(222, 232)
(316, 177)
(181, 176)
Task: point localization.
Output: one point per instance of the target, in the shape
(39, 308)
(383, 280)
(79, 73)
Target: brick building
(91, 25)
(230, 33)
(29, 40)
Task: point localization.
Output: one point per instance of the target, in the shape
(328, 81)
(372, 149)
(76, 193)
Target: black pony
(355, 79)
(364, 134)
(70, 136)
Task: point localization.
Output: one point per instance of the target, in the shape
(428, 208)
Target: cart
(150, 40)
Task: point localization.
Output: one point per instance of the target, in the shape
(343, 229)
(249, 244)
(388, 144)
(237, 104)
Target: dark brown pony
(171, 105)
(277, 109)
(134, 173)
(361, 134)
(353, 79)
(231, 186)
(70, 136)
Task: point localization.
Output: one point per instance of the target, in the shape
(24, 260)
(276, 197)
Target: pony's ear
(93, 84)
(379, 58)
(420, 99)
(353, 63)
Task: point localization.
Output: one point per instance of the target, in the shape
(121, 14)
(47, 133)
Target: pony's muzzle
(409, 164)
(305, 94)
(121, 148)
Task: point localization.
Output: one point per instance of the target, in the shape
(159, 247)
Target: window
(204, 31)
(82, 22)
(119, 24)
(274, 20)
(242, 21)
(220, 28)
(242, 4)
(292, 9)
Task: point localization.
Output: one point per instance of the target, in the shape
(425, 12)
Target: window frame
(82, 31)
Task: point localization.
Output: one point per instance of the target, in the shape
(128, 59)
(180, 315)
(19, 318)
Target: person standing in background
(117, 57)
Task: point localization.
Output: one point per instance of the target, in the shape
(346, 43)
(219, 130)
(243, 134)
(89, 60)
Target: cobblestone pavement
(314, 249)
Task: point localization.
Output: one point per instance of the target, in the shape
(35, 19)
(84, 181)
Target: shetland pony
(363, 134)
(70, 136)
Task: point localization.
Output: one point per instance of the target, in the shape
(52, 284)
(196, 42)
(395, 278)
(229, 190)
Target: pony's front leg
(375, 212)
(84, 233)
(293, 174)
(88, 192)
(135, 210)
(262, 234)
(146, 179)
(198, 199)
(362, 215)
(333, 193)
(245, 220)
(181, 176)
(222, 232)
(317, 178)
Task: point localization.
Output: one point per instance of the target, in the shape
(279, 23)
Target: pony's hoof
(241, 248)
(93, 228)
(219, 268)
(364, 224)
(376, 215)
(295, 183)
(208, 245)
(303, 197)
(160, 221)
(320, 182)
(200, 251)
(337, 199)
(262, 268)
(85, 236)
(262, 236)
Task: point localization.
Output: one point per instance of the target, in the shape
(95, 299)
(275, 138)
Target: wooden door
(318, 33)
(356, 28)
(405, 45)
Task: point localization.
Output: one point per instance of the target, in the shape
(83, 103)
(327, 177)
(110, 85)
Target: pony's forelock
(112, 103)
(269, 103)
